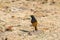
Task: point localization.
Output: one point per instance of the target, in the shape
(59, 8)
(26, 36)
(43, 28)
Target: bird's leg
(36, 28)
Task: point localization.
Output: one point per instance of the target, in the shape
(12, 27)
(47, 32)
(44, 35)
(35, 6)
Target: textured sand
(16, 14)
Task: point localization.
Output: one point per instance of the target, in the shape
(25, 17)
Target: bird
(34, 22)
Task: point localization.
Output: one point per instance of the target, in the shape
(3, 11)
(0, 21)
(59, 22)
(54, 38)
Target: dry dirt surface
(15, 15)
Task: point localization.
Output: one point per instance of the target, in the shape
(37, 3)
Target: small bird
(34, 22)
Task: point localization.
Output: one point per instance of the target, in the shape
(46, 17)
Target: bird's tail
(35, 25)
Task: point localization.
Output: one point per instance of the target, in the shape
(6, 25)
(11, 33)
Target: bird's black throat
(33, 19)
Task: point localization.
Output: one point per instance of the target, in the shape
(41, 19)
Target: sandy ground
(16, 14)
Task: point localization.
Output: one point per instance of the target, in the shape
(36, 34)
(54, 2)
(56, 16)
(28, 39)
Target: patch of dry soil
(15, 14)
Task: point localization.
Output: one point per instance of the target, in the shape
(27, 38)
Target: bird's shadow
(24, 31)
(28, 32)
(32, 32)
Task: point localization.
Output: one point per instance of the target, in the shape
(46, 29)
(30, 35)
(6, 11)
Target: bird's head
(32, 16)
